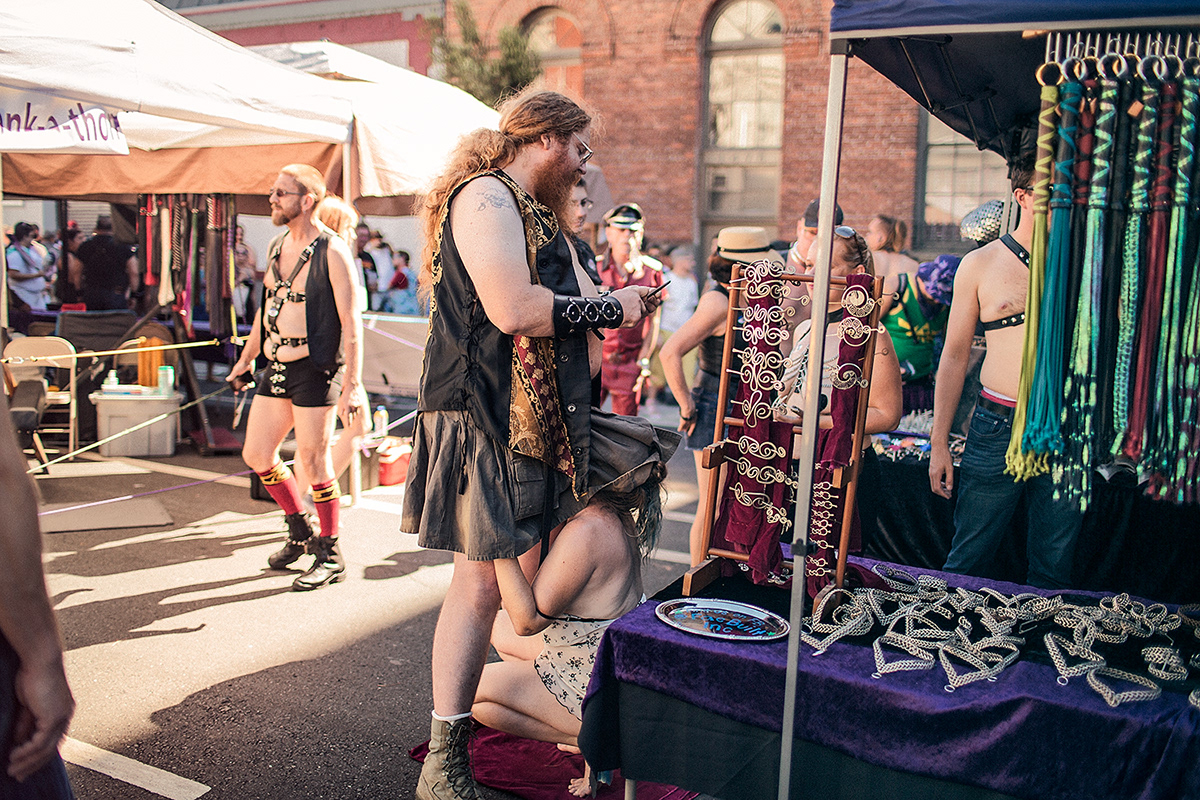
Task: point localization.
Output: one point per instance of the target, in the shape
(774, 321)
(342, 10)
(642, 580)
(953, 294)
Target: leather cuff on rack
(575, 315)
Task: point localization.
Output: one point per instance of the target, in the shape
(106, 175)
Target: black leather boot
(300, 530)
(327, 567)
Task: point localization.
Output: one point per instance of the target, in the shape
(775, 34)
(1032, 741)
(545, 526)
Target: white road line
(152, 779)
(240, 481)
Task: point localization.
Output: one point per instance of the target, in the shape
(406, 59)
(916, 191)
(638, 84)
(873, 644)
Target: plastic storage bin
(117, 412)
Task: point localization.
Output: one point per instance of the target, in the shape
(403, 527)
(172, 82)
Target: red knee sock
(281, 484)
(326, 497)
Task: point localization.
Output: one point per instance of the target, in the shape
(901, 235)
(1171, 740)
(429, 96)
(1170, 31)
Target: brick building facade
(644, 69)
(712, 111)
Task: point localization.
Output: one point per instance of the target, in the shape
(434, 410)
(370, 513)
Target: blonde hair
(896, 233)
(524, 118)
(310, 179)
(339, 216)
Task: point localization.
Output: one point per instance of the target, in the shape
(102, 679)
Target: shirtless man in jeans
(991, 286)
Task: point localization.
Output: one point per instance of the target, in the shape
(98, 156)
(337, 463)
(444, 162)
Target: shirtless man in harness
(991, 287)
(308, 327)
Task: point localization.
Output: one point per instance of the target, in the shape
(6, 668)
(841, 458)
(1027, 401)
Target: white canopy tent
(202, 114)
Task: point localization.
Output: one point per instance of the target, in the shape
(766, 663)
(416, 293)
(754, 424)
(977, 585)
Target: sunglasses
(281, 193)
(845, 232)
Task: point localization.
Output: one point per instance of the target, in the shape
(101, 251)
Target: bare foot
(585, 786)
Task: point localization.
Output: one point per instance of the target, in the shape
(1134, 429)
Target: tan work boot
(447, 773)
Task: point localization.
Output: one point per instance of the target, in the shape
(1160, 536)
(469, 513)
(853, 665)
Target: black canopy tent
(972, 64)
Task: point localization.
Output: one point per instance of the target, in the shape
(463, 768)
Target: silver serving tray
(722, 619)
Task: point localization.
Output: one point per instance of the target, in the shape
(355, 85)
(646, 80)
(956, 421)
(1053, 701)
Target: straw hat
(747, 245)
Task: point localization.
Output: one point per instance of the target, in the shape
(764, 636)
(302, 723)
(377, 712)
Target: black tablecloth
(1128, 542)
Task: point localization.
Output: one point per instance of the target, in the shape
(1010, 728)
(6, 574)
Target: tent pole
(356, 460)
(830, 165)
(4, 276)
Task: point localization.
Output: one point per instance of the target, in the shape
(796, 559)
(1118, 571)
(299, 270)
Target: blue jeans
(987, 499)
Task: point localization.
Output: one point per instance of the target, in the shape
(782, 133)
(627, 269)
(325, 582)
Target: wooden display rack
(717, 454)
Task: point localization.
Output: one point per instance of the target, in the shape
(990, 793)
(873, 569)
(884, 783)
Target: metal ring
(1042, 73)
(1157, 66)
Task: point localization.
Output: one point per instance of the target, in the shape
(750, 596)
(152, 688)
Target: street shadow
(406, 563)
(88, 554)
(119, 618)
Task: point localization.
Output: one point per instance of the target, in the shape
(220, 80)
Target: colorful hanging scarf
(1021, 464)
(1045, 407)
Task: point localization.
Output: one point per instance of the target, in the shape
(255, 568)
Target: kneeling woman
(591, 576)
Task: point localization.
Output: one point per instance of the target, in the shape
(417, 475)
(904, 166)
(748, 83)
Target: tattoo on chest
(494, 198)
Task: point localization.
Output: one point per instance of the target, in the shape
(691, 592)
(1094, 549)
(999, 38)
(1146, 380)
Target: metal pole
(4, 276)
(356, 460)
(830, 165)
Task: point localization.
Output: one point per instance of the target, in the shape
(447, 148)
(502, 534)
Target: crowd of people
(69, 270)
(548, 500)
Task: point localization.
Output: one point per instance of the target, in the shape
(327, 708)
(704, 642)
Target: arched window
(555, 37)
(743, 116)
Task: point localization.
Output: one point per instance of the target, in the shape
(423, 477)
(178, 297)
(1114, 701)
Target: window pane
(958, 178)
(746, 100)
(742, 190)
(746, 21)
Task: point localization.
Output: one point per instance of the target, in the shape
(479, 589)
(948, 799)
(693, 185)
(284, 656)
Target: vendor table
(705, 714)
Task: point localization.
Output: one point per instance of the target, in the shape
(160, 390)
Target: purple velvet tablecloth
(1024, 735)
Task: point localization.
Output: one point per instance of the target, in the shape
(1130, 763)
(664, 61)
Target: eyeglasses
(586, 204)
(587, 151)
(280, 193)
(845, 231)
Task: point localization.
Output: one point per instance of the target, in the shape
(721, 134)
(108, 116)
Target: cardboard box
(116, 413)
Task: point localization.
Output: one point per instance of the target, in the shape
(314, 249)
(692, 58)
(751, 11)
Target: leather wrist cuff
(575, 315)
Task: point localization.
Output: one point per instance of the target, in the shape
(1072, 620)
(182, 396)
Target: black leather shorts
(302, 382)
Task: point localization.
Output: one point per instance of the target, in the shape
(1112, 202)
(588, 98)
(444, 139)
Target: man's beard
(281, 217)
(552, 185)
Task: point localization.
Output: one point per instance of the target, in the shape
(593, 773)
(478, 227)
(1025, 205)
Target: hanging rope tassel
(1163, 426)
(1155, 286)
(1079, 404)
(1045, 406)
(1187, 440)
(1127, 315)
(1023, 465)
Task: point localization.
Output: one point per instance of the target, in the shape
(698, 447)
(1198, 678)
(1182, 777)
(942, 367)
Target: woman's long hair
(524, 118)
(640, 509)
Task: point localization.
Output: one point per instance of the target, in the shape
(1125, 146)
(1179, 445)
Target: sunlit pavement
(198, 672)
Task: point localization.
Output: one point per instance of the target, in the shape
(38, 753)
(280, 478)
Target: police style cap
(626, 215)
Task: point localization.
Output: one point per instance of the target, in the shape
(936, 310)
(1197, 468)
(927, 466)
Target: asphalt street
(199, 673)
